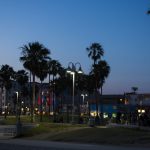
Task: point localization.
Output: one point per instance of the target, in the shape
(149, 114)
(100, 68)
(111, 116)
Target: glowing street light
(83, 95)
(84, 107)
(72, 70)
(17, 111)
(18, 123)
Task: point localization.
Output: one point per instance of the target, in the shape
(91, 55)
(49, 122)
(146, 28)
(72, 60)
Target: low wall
(10, 131)
(7, 131)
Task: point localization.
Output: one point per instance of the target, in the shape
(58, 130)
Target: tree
(42, 74)
(63, 87)
(61, 81)
(54, 69)
(21, 77)
(134, 89)
(101, 72)
(32, 55)
(95, 52)
(7, 74)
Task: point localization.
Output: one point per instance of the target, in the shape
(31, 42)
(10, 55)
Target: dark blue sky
(67, 27)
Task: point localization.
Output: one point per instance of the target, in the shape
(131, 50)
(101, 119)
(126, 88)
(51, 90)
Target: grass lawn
(84, 134)
(116, 136)
(11, 120)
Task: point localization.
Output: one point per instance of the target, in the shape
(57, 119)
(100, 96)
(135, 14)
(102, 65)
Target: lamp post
(72, 70)
(6, 108)
(18, 123)
(83, 95)
(17, 112)
(1, 92)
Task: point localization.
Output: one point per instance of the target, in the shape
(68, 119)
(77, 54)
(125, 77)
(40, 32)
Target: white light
(105, 115)
(72, 73)
(51, 113)
(93, 113)
(80, 72)
(68, 71)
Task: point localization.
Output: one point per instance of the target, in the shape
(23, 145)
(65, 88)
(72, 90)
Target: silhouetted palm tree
(42, 74)
(21, 77)
(54, 69)
(32, 55)
(95, 52)
(63, 85)
(90, 85)
(134, 89)
(86, 86)
(101, 72)
(7, 74)
(60, 86)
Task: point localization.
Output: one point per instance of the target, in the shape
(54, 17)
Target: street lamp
(18, 123)
(72, 70)
(83, 102)
(1, 91)
(83, 95)
(17, 112)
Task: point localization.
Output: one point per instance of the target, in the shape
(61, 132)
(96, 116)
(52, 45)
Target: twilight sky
(67, 27)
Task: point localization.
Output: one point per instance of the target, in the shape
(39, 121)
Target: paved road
(20, 144)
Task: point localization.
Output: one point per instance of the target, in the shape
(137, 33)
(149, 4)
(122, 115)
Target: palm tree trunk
(54, 115)
(101, 90)
(68, 116)
(96, 98)
(30, 96)
(49, 110)
(33, 100)
(6, 104)
(41, 105)
(89, 107)
(97, 119)
(101, 99)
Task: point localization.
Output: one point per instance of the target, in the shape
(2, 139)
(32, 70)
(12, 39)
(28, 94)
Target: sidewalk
(66, 146)
(128, 126)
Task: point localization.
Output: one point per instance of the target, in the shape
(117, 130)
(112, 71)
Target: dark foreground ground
(78, 136)
(20, 144)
